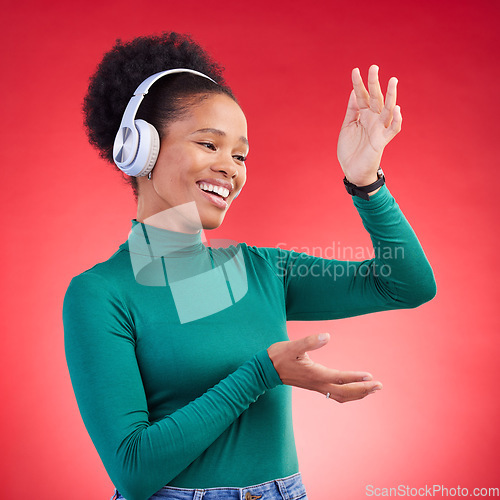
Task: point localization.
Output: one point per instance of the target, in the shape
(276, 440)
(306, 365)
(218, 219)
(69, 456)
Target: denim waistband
(288, 488)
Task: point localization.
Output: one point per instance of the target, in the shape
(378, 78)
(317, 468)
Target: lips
(213, 196)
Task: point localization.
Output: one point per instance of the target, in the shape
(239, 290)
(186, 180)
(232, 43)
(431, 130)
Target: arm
(399, 276)
(141, 457)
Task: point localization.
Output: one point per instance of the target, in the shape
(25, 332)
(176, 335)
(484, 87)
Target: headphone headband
(129, 151)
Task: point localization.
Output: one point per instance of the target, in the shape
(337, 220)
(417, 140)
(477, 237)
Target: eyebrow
(218, 132)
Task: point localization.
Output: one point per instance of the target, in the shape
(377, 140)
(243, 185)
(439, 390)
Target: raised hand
(296, 368)
(370, 124)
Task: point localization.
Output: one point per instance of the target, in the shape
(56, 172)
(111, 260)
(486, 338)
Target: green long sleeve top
(166, 344)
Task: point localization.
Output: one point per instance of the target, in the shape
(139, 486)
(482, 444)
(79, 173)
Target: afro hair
(128, 64)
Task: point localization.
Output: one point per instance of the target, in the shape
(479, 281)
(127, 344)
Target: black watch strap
(362, 191)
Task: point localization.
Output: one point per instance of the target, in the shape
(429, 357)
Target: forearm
(400, 266)
(141, 457)
(398, 276)
(152, 455)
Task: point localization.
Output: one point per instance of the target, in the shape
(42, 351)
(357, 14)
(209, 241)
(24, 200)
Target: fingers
(396, 123)
(352, 113)
(344, 386)
(343, 377)
(330, 376)
(373, 100)
(352, 391)
(376, 96)
(390, 102)
(362, 96)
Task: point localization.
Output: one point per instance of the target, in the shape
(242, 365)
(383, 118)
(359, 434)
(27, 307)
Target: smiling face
(201, 159)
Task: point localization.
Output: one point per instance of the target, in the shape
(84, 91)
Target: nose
(227, 167)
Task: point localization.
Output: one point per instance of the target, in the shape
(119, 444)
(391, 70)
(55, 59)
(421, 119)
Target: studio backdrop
(435, 423)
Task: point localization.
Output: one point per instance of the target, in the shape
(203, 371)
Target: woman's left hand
(370, 124)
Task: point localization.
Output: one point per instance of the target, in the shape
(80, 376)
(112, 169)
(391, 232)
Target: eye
(208, 145)
(240, 158)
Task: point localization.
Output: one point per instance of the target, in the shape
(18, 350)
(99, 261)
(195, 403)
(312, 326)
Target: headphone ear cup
(147, 150)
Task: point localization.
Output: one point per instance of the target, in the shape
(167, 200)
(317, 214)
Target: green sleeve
(142, 457)
(399, 276)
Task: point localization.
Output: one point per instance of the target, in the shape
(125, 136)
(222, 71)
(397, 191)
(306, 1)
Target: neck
(147, 241)
(182, 218)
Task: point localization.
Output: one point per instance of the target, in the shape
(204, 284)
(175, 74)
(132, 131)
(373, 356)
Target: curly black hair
(128, 64)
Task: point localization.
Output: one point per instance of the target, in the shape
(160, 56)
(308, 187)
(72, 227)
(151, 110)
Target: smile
(215, 194)
(211, 188)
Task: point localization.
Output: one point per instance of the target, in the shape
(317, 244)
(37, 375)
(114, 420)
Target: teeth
(224, 192)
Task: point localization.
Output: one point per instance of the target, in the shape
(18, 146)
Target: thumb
(311, 342)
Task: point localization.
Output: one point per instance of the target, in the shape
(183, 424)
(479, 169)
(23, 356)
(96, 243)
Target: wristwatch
(362, 191)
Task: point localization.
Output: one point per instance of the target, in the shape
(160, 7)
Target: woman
(178, 352)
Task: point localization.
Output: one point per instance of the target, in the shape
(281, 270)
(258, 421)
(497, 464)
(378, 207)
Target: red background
(436, 420)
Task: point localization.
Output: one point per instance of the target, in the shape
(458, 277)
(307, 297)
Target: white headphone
(137, 142)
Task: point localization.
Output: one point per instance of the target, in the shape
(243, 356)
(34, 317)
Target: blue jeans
(288, 488)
